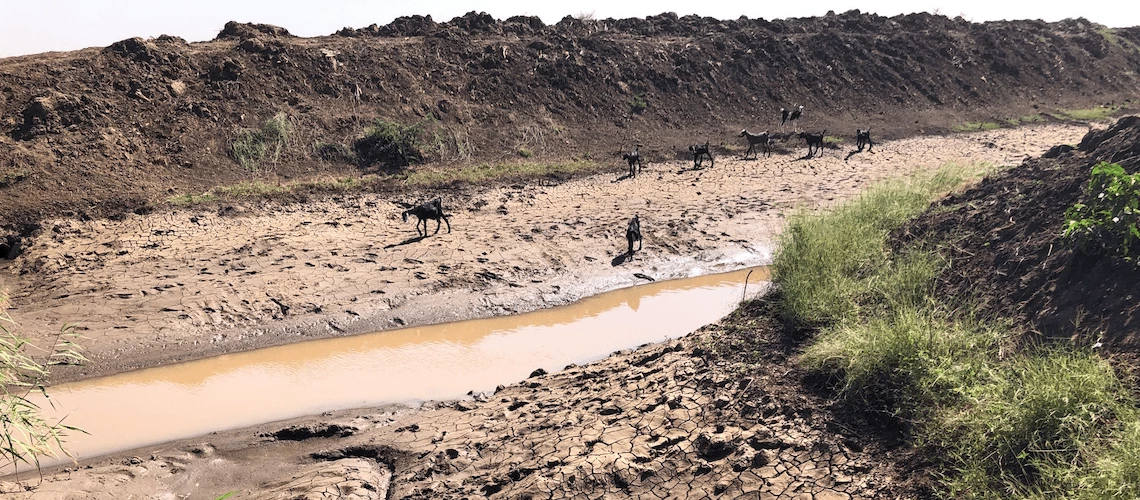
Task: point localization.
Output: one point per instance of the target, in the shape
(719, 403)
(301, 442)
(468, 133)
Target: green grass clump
(259, 189)
(250, 146)
(337, 153)
(249, 189)
(1098, 113)
(833, 139)
(192, 199)
(1115, 472)
(391, 144)
(25, 435)
(486, 172)
(910, 359)
(13, 177)
(638, 104)
(1014, 122)
(823, 261)
(1039, 422)
(976, 126)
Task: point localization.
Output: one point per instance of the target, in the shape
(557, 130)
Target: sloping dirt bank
(107, 130)
(1007, 241)
(163, 287)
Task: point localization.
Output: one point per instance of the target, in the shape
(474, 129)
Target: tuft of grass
(911, 358)
(1041, 422)
(833, 139)
(435, 177)
(1098, 113)
(976, 126)
(259, 189)
(823, 261)
(191, 199)
(1023, 120)
(638, 104)
(391, 144)
(1111, 37)
(333, 152)
(1115, 473)
(251, 146)
(1035, 424)
(485, 172)
(249, 189)
(24, 370)
(12, 177)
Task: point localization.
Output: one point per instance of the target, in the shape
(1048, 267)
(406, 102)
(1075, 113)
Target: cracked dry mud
(188, 283)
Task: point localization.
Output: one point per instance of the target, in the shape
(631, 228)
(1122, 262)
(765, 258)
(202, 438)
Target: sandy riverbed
(154, 289)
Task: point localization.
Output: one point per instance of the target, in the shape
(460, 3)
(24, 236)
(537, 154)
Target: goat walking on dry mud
(814, 142)
(432, 210)
(763, 140)
(632, 234)
(633, 158)
(863, 138)
(700, 152)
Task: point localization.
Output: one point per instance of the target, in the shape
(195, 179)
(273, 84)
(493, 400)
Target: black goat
(700, 151)
(783, 117)
(632, 234)
(863, 138)
(763, 140)
(633, 158)
(430, 210)
(814, 142)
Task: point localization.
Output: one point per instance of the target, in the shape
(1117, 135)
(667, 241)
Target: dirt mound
(1006, 241)
(102, 130)
(241, 31)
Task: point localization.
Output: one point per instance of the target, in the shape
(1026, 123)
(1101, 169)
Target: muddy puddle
(411, 365)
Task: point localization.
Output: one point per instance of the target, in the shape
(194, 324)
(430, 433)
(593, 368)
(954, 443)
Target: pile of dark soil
(104, 130)
(1005, 247)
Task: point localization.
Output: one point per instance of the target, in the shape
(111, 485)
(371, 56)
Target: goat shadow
(409, 241)
(855, 152)
(692, 169)
(621, 259)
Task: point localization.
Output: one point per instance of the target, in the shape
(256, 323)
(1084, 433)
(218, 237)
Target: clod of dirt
(301, 433)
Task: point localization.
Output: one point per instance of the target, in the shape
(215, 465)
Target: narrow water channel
(435, 362)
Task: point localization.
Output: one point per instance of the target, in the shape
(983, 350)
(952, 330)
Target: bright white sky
(33, 26)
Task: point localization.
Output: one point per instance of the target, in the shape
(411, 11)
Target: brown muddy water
(411, 365)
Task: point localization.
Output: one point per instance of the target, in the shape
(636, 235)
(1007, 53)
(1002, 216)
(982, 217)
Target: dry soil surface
(164, 287)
